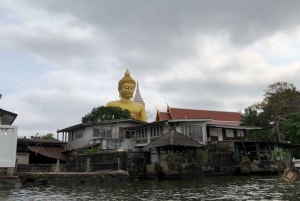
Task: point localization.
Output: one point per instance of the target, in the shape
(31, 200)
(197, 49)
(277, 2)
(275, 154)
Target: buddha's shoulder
(113, 103)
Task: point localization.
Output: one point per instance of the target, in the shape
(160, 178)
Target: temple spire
(137, 97)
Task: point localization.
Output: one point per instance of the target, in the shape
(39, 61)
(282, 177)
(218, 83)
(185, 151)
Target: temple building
(137, 97)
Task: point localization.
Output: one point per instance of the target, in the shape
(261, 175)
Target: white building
(8, 142)
(109, 134)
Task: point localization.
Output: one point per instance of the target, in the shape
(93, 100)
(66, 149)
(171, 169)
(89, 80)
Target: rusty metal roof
(30, 141)
(49, 151)
(173, 138)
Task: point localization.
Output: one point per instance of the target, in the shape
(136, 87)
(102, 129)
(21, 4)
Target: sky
(60, 59)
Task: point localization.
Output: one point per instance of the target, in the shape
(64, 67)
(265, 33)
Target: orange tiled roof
(179, 113)
(164, 116)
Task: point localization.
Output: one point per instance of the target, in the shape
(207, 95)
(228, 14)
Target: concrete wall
(128, 144)
(75, 143)
(8, 145)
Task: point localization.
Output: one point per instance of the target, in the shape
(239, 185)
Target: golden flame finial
(127, 73)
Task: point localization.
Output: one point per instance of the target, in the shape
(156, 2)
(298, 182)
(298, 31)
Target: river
(207, 188)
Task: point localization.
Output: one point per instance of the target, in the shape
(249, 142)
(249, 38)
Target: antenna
(150, 115)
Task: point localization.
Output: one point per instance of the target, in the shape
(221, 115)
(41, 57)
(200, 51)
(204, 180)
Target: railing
(7, 130)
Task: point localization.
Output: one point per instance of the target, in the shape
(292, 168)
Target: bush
(173, 160)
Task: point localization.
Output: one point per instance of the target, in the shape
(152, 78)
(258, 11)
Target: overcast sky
(60, 59)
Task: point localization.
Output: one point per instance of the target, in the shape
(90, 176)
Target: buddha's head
(126, 86)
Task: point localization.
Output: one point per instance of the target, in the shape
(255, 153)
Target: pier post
(57, 166)
(88, 164)
(119, 163)
(10, 171)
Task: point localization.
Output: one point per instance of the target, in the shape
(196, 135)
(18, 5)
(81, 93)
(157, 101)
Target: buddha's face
(127, 90)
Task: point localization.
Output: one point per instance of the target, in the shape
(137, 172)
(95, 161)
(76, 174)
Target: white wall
(8, 145)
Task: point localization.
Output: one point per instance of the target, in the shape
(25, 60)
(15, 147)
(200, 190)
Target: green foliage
(202, 156)
(295, 153)
(280, 155)
(264, 134)
(93, 150)
(292, 127)
(106, 113)
(281, 99)
(173, 160)
(251, 117)
(47, 136)
(255, 118)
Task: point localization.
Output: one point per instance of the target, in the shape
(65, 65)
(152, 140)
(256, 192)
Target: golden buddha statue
(126, 89)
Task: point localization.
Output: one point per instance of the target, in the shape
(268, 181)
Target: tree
(47, 136)
(103, 113)
(292, 127)
(281, 99)
(254, 118)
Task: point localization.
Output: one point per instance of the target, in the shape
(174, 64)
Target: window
(78, 133)
(108, 133)
(102, 132)
(240, 133)
(229, 133)
(213, 131)
(96, 133)
(129, 134)
(192, 131)
(156, 131)
(141, 133)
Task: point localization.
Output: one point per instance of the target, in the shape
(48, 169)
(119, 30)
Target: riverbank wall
(28, 178)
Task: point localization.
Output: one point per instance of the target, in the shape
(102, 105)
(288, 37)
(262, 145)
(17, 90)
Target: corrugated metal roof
(42, 141)
(173, 138)
(99, 123)
(224, 123)
(49, 151)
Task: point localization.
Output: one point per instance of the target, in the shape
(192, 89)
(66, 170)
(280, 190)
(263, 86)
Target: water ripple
(215, 188)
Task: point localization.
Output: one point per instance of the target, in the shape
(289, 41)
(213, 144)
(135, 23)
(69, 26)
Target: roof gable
(172, 138)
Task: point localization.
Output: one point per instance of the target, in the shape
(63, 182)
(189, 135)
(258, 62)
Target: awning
(49, 151)
(7, 117)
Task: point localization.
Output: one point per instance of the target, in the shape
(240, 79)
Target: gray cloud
(193, 54)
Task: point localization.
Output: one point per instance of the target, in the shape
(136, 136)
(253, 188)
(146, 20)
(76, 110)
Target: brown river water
(202, 188)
